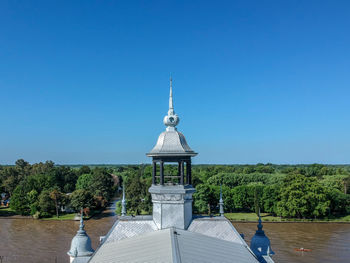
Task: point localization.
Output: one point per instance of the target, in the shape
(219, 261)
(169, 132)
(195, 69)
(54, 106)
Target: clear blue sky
(254, 81)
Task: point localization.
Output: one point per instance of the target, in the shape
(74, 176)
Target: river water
(28, 240)
(329, 242)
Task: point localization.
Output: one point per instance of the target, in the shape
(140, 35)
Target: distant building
(66, 208)
(172, 233)
(5, 199)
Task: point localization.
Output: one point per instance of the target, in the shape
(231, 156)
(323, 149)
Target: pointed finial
(81, 225)
(171, 103)
(81, 231)
(221, 202)
(123, 202)
(260, 226)
(171, 120)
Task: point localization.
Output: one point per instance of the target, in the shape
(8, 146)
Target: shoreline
(288, 222)
(231, 220)
(63, 217)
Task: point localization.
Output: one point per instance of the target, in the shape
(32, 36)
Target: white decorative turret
(172, 194)
(81, 244)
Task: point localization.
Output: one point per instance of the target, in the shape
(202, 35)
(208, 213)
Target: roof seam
(174, 241)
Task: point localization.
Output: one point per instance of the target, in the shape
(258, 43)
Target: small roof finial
(123, 202)
(81, 225)
(171, 103)
(171, 120)
(221, 202)
(260, 226)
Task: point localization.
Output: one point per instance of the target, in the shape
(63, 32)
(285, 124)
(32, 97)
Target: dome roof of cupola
(171, 142)
(81, 243)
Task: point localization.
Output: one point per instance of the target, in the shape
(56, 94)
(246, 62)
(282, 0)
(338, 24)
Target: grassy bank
(6, 211)
(239, 217)
(252, 217)
(69, 216)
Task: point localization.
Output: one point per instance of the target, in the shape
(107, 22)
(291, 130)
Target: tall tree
(205, 199)
(81, 199)
(302, 197)
(56, 196)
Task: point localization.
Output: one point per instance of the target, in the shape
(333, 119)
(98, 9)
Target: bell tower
(172, 193)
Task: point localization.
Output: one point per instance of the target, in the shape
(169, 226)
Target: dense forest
(42, 189)
(288, 191)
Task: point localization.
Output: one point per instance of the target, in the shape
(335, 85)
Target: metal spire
(171, 103)
(81, 230)
(171, 120)
(81, 226)
(221, 202)
(260, 226)
(123, 202)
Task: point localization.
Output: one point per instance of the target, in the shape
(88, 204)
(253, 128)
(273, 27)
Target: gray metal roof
(170, 143)
(268, 259)
(144, 248)
(218, 227)
(129, 227)
(194, 247)
(81, 260)
(173, 245)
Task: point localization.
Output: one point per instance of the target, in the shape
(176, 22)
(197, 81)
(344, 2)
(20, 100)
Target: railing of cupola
(183, 176)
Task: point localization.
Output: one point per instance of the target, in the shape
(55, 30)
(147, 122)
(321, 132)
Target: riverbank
(235, 217)
(265, 217)
(7, 212)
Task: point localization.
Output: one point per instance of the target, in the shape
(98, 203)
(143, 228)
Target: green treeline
(289, 191)
(42, 189)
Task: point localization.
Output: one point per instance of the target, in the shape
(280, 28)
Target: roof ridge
(175, 245)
